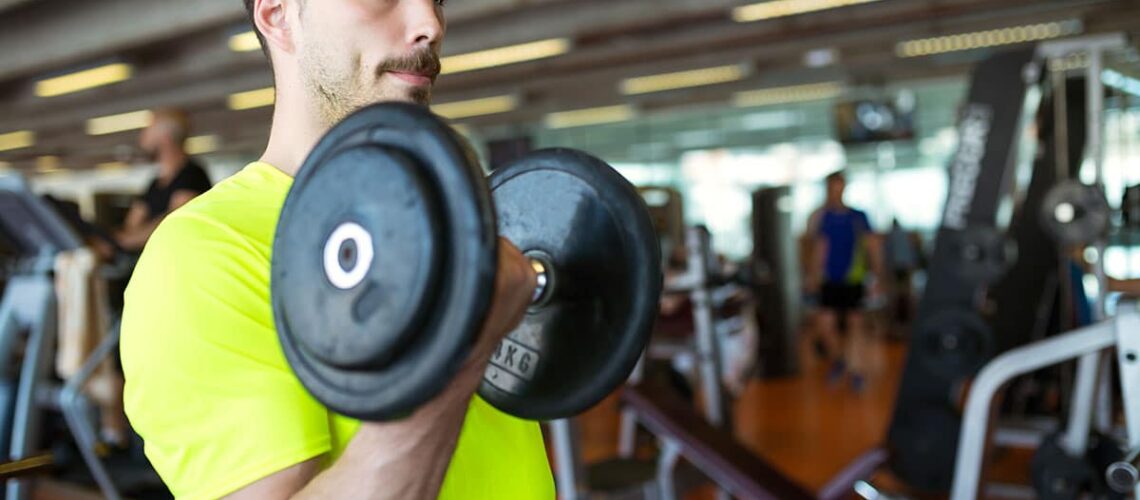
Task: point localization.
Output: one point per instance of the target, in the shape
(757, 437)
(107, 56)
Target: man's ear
(271, 20)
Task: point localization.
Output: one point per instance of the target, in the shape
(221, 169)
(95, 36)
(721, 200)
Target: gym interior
(877, 249)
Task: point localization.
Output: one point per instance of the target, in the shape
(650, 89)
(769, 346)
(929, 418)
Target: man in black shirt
(179, 178)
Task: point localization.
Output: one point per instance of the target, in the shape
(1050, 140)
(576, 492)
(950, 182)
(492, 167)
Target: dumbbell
(1074, 213)
(384, 262)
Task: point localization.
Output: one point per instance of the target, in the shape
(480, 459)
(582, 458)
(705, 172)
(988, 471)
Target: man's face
(835, 189)
(149, 141)
(352, 53)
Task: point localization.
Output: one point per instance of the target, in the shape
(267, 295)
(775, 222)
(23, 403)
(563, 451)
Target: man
(208, 387)
(844, 246)
(179, 178)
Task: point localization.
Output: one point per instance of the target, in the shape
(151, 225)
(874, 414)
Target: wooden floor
(807, 427)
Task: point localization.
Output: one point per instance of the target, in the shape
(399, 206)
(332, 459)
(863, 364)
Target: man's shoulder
(240, 209)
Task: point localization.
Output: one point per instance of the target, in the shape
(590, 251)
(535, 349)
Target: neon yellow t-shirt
(208, 387)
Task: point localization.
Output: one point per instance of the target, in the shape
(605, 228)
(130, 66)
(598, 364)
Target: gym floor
(808, 427)
(805, 425)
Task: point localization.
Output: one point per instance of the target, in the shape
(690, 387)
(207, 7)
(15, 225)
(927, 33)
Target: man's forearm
(1129, 287)
(878, 264)
(134, 238)
(395, 460)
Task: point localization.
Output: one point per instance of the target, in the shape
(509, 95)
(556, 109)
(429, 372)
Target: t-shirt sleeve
(193, 178)
(207, 385)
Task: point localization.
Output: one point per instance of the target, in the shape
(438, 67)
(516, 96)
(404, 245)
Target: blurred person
(846, 252)
(180, 178)
(207, 385)
(1083, 310)
(903, 252)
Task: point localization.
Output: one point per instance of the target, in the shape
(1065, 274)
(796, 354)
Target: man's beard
(338, 94)
(147, 155)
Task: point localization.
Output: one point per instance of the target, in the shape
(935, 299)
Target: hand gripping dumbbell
(385, 257)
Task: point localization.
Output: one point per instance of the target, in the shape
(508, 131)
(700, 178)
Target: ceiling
(180, 55)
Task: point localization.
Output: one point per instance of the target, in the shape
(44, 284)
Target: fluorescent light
(46, 164)
(781, 8)
(1071, 62)
(991, 38)
(253, 99)
(118, 123)
(682, 79)
(589, 116)
(789, 94)
(476, 107)
(17, 140)
(202, 144)
(505, 55)
(83, 80)
(113, 165)
(245, 42)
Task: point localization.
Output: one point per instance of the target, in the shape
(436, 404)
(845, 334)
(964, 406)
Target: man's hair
(175, 121)
(837, 176)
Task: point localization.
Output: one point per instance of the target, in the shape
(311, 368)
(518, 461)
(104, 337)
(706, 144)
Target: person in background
(844, 249)
(903, 253)
(180, 178)
(1083, 311)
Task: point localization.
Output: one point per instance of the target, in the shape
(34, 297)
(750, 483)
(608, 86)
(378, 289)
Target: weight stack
(775, 266)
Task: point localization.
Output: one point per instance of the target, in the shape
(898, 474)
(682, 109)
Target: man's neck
(293, 134)
(170, 161)
(837, 206)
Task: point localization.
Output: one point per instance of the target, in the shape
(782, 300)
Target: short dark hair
(837, 176)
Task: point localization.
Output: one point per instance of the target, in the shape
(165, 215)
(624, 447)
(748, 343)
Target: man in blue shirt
(844, 249)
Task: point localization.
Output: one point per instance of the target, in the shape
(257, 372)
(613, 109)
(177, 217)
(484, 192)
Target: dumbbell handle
(1122, 476)
(542, 279)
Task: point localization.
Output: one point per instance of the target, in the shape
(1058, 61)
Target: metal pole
(708, 352)
(565, 459)
(1080, 414)
(1095, 115)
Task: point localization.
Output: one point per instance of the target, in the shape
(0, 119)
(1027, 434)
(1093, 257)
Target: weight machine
(28, 318)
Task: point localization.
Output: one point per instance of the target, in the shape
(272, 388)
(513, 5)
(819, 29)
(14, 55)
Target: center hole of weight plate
(972, 253)
(348, 255)
(1065, 213)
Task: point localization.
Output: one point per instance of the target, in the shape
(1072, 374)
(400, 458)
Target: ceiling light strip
(590, 116)
(783, 8)
(505, 55)
(682, 79)
(252, 99)
(990, 38)
(118, 123)
(789, 94)
(84, 80)
(476, 107)
(245, 42)
(17, 140)
(202, 144)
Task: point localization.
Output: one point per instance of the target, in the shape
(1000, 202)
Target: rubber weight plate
(953, 343)
(1057, 476)
(384, 253)
(592, 231)
(984, 253)
(1075, 213)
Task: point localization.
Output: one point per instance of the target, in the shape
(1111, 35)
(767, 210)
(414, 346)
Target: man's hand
(514, 286)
